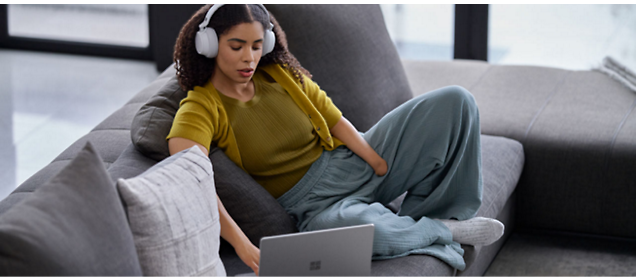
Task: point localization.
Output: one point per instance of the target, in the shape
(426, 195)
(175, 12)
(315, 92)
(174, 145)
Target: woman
(251, 97)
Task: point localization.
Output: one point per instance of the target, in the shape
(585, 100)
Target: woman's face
(240, 51)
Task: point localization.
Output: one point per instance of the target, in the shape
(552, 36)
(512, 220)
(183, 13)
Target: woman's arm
(178, 144)
(230, 231)
(347, 133)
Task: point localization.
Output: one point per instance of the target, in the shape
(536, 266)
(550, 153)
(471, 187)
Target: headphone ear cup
(207, 43)
(268, 42)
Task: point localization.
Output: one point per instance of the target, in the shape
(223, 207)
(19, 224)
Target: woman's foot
(478, 231)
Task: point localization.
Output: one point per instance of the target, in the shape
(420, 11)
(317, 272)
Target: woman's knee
(449, 96)
(459, 95)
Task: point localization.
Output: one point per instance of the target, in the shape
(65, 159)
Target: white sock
(478, 231)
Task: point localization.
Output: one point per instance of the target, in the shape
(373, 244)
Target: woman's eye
(256, 48)
(236, 49)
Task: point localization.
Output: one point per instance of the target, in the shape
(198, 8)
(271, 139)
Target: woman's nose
(248, 55)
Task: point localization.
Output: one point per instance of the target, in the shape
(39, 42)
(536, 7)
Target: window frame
(70, 47)
(471, 32)
(470, 36)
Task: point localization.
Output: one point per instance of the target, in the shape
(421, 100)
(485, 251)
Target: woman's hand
(379, 166)
(347, 133)
(231, 232)
(250, 255)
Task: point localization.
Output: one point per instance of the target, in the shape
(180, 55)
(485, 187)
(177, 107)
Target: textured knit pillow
(72, 225)
(173, 215)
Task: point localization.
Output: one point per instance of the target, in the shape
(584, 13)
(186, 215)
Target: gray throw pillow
(351, 56)
(72, 225)
(151, 125)
(173, 215)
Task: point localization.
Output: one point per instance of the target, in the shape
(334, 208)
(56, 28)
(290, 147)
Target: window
(421, 32)
(120, 31)
(125, 25)
(575, 37)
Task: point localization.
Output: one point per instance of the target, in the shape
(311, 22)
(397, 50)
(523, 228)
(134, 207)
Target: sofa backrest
(346, 47)
(349, 52)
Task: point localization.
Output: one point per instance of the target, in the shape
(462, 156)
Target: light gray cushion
(502, 161)
(173, 215)
(351, 56)
(72, 225)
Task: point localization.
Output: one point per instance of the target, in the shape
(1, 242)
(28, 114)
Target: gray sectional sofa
(558, 146)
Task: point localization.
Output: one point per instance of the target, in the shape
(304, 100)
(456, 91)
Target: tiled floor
(47, 101)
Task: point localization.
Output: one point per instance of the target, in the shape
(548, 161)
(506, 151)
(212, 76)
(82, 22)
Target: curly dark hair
(194, 69)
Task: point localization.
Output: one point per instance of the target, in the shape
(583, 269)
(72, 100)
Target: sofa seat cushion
(502, 164)
(502, 161)
(577, 129)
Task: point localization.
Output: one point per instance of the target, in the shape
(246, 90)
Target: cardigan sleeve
(322, 102)
(195, 118)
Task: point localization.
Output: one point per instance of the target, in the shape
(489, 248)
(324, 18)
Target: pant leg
(432, 146)
(394, 236)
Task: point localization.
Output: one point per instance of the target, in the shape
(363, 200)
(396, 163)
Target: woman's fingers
(381, 168)
(255, 268)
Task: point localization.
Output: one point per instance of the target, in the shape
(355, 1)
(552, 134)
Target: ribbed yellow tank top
(277, 141)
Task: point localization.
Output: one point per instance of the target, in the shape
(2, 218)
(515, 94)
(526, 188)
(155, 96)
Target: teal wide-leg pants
(432, 147)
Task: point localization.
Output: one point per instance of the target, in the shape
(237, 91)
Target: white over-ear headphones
(207, 42)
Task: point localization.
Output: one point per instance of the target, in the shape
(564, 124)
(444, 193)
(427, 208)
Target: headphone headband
(208, 16)
(207, 42)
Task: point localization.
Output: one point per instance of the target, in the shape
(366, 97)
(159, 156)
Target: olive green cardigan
(203, 105)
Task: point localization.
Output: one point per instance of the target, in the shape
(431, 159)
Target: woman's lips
(246, 72)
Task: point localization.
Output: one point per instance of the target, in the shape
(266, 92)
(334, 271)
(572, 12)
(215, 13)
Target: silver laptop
(344, 251)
